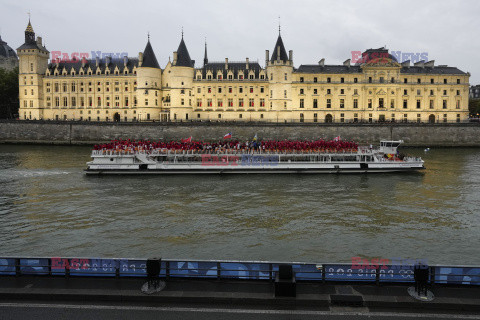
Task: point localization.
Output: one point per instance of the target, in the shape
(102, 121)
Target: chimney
(84, 62)
(430, 64)
(226, 63)
(406, 64)
(39, 41)
(420, 64)
(97, 61)
(290, 55)
(267, 55)
(347, 63)
(125, 60)
(140, 59)
(107, 60)
(321, 63)
(247, 63)
(174, 58)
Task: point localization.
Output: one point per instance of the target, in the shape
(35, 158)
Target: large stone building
(138, 89)
(8, 57)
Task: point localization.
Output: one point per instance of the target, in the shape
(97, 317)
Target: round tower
(279, 72)
(149, 86)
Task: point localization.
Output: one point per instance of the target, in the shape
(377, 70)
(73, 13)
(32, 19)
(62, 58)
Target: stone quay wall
(77, 133)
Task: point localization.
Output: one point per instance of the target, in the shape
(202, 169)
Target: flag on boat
(187, 140)
(227, 136)
(337, 138)
(255, 138)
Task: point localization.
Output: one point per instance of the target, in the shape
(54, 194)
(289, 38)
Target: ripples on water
(48, 207)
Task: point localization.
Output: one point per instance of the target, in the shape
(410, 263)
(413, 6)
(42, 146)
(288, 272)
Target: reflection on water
(48, 207)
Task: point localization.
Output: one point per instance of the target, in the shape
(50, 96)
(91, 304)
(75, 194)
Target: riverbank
(86, 133)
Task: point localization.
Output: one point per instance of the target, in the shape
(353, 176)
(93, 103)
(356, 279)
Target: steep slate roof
(315, 68)
(235, 67)
(432, 70)
(183, 58)
(77, 65)
(149, 58)
(5, 50)
(283, 52)
(30, 42)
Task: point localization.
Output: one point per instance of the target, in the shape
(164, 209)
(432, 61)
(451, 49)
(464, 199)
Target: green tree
(8, 93)
(474, 107)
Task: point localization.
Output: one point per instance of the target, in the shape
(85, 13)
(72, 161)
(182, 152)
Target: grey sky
(313, 29)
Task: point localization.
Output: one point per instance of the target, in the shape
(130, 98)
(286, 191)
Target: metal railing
(241, 270)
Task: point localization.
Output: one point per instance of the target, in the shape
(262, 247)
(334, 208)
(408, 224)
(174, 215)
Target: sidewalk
(126, 291)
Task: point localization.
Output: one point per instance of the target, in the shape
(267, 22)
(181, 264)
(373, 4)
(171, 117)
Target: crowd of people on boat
(270, 146)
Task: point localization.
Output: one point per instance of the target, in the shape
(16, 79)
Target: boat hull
(319, 170)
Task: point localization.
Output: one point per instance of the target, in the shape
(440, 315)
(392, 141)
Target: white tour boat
(163, 161)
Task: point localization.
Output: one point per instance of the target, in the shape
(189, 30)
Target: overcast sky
(314, 29)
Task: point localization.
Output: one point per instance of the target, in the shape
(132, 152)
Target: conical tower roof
(183, 57)
(283, 52)
(149, 58)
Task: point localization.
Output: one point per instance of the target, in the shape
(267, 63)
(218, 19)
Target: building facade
(475, 92)
(138, 89)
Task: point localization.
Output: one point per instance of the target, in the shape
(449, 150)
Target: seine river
(48, 207)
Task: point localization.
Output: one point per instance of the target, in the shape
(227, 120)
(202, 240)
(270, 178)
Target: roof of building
(30, 42)
(283, 52)
(6, 51)
(339, 69)
(235, 67)
(77, 65)
(432, 70)
(315, 68)
(149, 58)
(183, 57)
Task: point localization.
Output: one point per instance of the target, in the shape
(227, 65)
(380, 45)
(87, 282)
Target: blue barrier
(93, 267)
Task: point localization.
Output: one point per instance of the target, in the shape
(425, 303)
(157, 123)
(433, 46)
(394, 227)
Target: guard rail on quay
(377, 273)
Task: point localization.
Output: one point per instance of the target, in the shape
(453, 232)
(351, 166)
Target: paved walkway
(100, 298)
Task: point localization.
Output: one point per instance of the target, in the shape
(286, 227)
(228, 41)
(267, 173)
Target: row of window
(355, 92)
(229, 90)
(89, 72)
(73, 102)
(230, 77)
(251, 103)
(381, 103)
(73, 86)
(381, 118)
(371, 80)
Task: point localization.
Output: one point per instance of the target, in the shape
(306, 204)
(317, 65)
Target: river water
(48, 207)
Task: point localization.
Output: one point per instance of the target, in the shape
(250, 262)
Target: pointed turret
(183, 57)
(29, 34)
(205, 58)
(149, 58)
(30, 42)
(279, 52)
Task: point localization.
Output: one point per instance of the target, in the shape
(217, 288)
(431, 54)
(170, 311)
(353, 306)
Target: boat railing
(227, 152)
